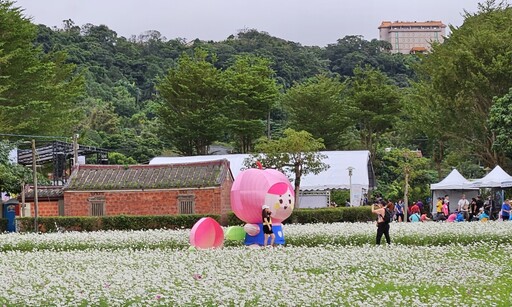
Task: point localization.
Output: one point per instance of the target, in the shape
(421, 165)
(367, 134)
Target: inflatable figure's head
(254, 188)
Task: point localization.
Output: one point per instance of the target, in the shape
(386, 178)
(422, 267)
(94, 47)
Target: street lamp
(36, 200)
(350, 170)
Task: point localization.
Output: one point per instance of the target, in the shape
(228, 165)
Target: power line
(35, 136)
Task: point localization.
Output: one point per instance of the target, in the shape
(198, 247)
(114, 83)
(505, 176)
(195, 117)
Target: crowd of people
(475, 209)
(465, 211)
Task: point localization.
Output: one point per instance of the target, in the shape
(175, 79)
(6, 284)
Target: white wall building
(315, 189)
(411, 37)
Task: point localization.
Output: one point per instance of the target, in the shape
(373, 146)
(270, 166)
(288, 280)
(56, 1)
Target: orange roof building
(412, 36)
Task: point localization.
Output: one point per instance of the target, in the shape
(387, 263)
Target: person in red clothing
(415, 208)
(425, 218)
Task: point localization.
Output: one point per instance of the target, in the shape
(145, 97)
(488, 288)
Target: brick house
(187, 188)
(50, 201)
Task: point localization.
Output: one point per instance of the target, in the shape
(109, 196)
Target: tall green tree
(500, 123)
(404, 174)
(252, 90)
(296, 153)
(38, 92)
(373, 103)
(423, 116)
(192, 114)
(316, 105)
(465, 72)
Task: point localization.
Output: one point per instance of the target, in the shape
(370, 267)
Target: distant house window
(97, 206)
(61, 207)
(186, 204)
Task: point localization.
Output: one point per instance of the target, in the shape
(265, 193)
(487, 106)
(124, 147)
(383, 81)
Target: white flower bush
(114, 269)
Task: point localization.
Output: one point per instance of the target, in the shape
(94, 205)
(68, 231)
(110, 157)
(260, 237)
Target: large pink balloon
(206, 233)
(254, 188)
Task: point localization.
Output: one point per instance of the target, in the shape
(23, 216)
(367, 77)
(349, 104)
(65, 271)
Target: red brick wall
(45, 208)
(152, 202)
(225, 199)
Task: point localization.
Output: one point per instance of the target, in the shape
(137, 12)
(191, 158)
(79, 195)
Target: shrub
(320, 215)
(118, 222)
(3, 225)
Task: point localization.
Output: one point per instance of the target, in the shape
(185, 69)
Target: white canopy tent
(497, 178)
(453, 185)
(336, 177)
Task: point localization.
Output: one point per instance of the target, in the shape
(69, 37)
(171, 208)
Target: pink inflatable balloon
(206, 233)
(251, 229)
(254, 188)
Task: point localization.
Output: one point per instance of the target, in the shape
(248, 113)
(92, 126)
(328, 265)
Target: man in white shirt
(463, 207)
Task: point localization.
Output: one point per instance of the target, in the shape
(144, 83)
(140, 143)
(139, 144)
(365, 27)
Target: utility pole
(36, 200)
(269, 136)
(350, 170)
(22, 209)
(75, 149)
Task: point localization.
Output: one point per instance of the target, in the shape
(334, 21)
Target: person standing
(447, 203)
(479, 204)
(267, 226)
(399, 210)
(463, 207)
(473, 209)
(505, 210)
(439, 210)
(419, 203)
(489, 208)
(382, 222)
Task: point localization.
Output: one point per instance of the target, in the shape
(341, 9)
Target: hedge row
(321, 215)
(118, 222)
(3, 225)
(139, 222)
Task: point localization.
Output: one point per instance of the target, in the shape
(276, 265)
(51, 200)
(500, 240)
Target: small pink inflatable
(206, 233)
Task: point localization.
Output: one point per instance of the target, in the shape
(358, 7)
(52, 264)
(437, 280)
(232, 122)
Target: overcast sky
(313, 22)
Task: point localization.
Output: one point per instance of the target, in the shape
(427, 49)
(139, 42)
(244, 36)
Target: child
(415, 218)
(425, 218)
(452, 217)
(267, 225)
(482, 216)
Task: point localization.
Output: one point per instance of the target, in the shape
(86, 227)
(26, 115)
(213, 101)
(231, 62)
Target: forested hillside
(148, 95)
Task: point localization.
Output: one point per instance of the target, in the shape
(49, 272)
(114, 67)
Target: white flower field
(428, 264)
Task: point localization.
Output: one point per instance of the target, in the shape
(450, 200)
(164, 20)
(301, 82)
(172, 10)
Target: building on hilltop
(411, 37)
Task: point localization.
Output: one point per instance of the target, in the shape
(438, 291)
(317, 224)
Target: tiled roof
(388, 24)
(418, 49)
(165, 176)
(44, 193)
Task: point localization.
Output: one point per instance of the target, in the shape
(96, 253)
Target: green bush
(320, 215)
(3, 225)
(118, 222)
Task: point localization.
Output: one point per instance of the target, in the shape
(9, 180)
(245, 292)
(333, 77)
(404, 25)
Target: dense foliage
(147, 95)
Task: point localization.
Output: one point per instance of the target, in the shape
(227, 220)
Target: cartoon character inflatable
(254, 188)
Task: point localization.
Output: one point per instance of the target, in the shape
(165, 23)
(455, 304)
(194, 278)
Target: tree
(192, 114)
(38, 92)
(252, 92)
(470, 68)
(296, 153)
(354, 51)
(404, 173)
(316, 106)
(12, 175)
(373, 103)
(290, 60)
(425, 117)
(500, 123)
